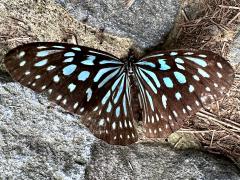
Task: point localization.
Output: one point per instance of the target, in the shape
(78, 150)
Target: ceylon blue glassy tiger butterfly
(97, 85)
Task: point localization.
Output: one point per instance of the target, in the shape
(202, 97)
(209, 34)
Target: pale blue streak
(58, 47)
(124, 105)
(168, 82)
(163, 65)
(101, 72)
(146, 63)
(118, 111)
(110, 76)
(83, 75)
(173, 53)
(180, 67)
(110, 62)
(69, 69)
(41, 63)
(153, 76)
(89, 94)
(120, 90)
(203, 73)
(164, 101)
(109, 108)
(178, 95)
(76, 49)
(89, 60)
(180, 77)
(106, 97)
(43, 53)
(148, 81)
(69, 54)
(198, 61)
(150, 100)
(116, 82)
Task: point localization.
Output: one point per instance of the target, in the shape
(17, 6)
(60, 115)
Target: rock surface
(154, 18)
(40, 141)
(234, 54)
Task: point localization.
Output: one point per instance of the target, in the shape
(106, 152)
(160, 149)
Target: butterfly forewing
(176, 84)
(83, 80)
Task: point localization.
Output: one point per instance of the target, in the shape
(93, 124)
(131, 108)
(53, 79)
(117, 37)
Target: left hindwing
(176, 84)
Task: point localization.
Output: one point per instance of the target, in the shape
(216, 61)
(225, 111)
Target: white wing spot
(153, 120)
(113, 125)
(175, 114)
(101, 122)
(43, 87)
(51, 67)
(157, 117)
(196, 77)
(155, 131)
(208, 89)
(215, 85)
(59, 97)
(56, 78)
(64, 101)
(159, 129)
(34, 84)
(21, 54)
(197, 103)
(166, 126)
(27, 72)
(170, 117)
(37, 77)
(82, 109)
(96, 108)
(22, 63)
(189, 108)
(219, 65)
(164, 101)
(219, 75)
(50, 91)
(184, 111)
(75, 105)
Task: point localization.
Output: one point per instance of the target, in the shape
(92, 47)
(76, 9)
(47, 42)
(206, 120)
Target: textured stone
(41, 141)
(234, 54)
(148, 22)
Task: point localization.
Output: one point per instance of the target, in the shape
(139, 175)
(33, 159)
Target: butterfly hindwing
(176, 84)
(82, 80)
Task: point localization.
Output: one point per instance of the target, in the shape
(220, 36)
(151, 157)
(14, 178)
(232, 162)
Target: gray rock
(40, 141)
(234, 54)
(148, 22)
(155, 161)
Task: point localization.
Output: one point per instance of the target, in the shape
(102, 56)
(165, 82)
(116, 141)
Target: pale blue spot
(118, 111)
(168, 82)
(69, 69)
(69, 54)
(101, 72)
(173, 53)
(153, 76)
(89, 60)
(163, 65)
(164, 101)
(83, 75)
(89, 94)
(151, 56)
(110, 62)
(196, 77)
(56, 78)
(145, 63)
(71, 87)
(43, 53)
(58, 47)
(106, 97)
(124, 105)
(68, 60)
(76, 48)
(41, 63)
(147, 80)
(179, 60)
(198, 61)
(120, 90)
(202, 55)
(180, 77)
(109, 108)
(110, 76)
(180, 67)
(203, 73)
(150, 100)
(178, 96)
(191, 88)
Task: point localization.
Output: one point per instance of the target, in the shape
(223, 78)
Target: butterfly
(173, 85)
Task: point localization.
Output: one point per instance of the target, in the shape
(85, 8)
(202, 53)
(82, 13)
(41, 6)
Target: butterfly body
(98, 86)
